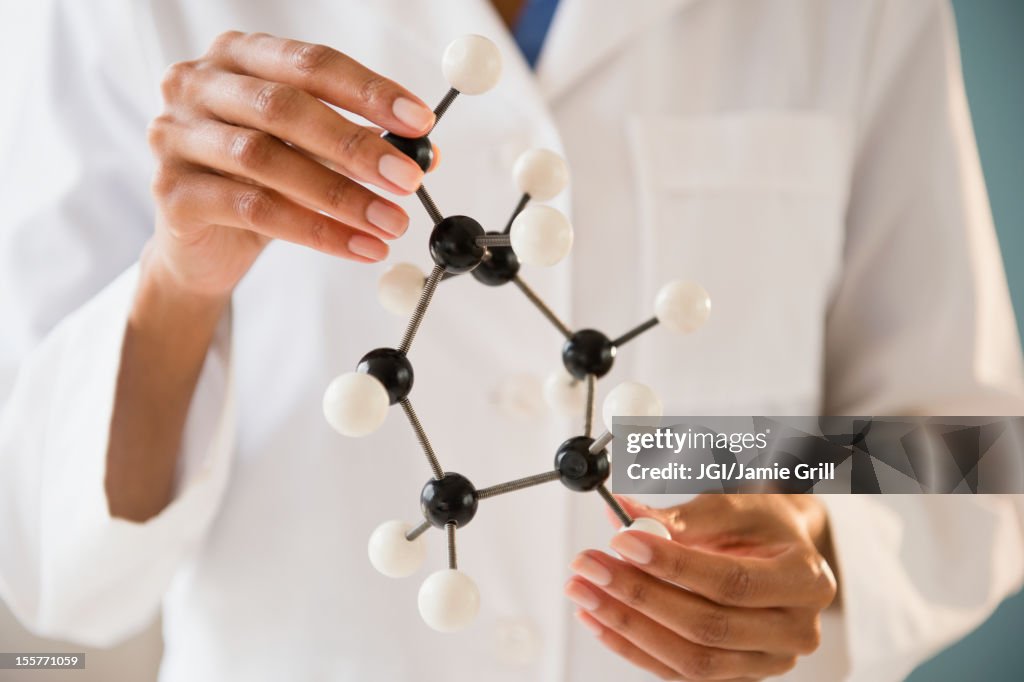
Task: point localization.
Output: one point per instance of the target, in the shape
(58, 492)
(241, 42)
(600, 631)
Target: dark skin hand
(735, 595)
(247, 151)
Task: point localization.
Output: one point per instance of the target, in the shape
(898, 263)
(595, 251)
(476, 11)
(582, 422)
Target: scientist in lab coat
(164, 354)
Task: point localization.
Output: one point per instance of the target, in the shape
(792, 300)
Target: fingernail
(591, 569)
(401, 171)
(632, 547)
(412, 114)
(367, 247)
(589, 623)
(582, 596)
(392, 220)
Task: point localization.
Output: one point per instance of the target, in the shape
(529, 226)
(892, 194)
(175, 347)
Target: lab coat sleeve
(921, 323)
(76, 213)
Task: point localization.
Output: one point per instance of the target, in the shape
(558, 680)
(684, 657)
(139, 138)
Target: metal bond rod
(421, 435)
(542, 307)
(626, 519)
(601, 442)
(421, 309)
(494, 240)
(453, 562)
(428, 203)
(417, 531)
(523, 201)
(517, 484)
(635, 331)
(443, 105)
(588, 419)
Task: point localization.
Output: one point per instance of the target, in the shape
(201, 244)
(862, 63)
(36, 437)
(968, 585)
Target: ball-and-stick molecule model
(356, 403)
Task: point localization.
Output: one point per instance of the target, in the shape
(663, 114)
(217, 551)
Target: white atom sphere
(648, 525)
(399, 288)
(541, 173)
(471, 64)
(541, 235)
(355, 404)
(630, 399)
(564, 393)
(682, 306)
(391, 553)
(448, 600)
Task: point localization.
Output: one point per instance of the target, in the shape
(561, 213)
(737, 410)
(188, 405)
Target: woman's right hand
(248, 151)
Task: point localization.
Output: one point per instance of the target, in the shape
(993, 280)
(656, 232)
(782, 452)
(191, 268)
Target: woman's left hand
(735, 595)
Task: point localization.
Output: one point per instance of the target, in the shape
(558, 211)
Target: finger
(695, 618)
(692, 661)
(792, 578)
(203, 199)
(296, 116)
(329, 75)
(270, 162)
(618, 644)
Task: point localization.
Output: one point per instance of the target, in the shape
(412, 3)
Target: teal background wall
(992, 48)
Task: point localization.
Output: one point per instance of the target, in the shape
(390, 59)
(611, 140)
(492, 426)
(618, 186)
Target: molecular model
(356, 403)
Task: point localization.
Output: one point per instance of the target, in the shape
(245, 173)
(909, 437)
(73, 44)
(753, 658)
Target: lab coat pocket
(750, 205)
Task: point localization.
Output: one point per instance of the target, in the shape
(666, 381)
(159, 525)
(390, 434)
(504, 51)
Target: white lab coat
(811, 163)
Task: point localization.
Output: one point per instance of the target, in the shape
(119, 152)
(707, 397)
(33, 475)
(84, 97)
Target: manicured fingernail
(581, 595)
(412, 114)
(589, 623)
(367, 247)
(392, 220)
(591, 569)
(632, 547)
(401, 171)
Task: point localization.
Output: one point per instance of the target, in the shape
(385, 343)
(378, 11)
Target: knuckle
(320, 234)
(785, 664)
(176, 79)
(251, 149)
(164, 183)
(736, 585)
(809, 638)
(275, 101)
(340, 194)
(712, 627)
(353, 141)
(703, 664)
(676, 568)
(620, 620)
(158, 131)
(254, 206)
(224, 41)
(372, 89)
(307, 57)
(636, 594)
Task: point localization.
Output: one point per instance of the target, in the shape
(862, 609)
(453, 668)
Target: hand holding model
(736, 593)
(247, 150)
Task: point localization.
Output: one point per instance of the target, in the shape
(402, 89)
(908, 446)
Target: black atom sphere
(588, 351)
(419, 149)
(390, 367)
(451, 498)
(578, 468)
(501, 268)
(453, 244)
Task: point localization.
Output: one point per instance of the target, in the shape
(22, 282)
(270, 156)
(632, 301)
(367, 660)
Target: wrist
(164, 301)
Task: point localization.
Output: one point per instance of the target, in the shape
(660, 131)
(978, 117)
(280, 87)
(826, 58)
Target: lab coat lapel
(585, 32)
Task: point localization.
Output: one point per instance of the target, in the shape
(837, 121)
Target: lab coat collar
(586, 32)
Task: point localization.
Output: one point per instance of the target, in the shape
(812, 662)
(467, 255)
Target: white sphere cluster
(541, 235)
(541, 173)
(355, 404)
(471, 64)
(448, 600)
(392, 554)
(399, 288)
(630, 399)
(682, 306)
